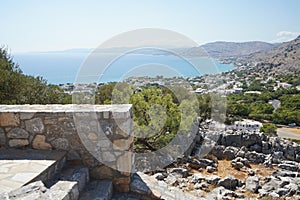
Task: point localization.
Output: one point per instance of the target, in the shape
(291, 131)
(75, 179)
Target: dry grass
(225, 169)
(293, 130)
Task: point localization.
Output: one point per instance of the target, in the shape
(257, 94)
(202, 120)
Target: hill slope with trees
(17, 88)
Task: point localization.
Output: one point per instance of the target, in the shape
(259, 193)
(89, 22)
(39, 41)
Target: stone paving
(19, 167)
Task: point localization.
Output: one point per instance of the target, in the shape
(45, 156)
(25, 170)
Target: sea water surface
(64, 67)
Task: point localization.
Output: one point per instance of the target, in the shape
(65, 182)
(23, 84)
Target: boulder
(223, 193)
(207, 162)
(285, 173)
(171, 180)
(159, 176)
(229, 183)
(256, 147)
(237, 165)
(293, 189)
(252, 184)
(277, 157)
(289, 153)
(195, 164)
(282, 191)
(210, 169)
(255, 157)
(196, 178)
(218, 151)
(251, 172)
(265, 147)
(213, 180)
(178, 172)
(289, 165)
(273, 184)
(230, 152)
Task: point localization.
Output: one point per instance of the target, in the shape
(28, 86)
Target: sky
(55, 25)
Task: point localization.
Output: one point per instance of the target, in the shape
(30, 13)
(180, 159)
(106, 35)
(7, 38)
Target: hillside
(285, 57)
(229, 49)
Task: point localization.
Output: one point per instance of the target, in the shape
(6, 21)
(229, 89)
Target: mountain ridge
(285, 57)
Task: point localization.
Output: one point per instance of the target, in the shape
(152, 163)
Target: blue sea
(68, 67)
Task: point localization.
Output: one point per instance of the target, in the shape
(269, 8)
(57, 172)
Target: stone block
(63, 190)
(123, 144)
(35, 125)
(77, 174)
(50, 121)
(93, 137)
(104, 144)
(102, 172)
(17, 133)
(122, 184)
(18, 143)
(105, 115)
(39, 142)
(25, 115)
(108, 156)
(100, 189)
(9, 119)
(2, 137)
(124, 162)
(60, 143)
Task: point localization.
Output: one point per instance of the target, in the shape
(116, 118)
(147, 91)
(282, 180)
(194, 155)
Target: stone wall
(96, 136)
(258, 146)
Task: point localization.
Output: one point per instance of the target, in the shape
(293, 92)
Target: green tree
(269, 129)
(17, 88)
(156, 118)
(104, 94)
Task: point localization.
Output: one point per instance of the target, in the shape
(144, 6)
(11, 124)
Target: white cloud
(284, 36)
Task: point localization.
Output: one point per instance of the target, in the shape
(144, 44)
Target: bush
(269, 129)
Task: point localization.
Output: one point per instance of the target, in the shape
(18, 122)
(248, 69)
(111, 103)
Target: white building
(252, 92)
(284, 85)
(246, 125)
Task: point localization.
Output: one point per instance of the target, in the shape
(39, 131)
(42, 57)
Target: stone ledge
(68, 108)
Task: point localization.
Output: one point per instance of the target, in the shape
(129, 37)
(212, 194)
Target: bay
(63, 67)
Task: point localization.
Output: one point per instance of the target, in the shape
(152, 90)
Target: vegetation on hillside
(258, 106)
(269, 129)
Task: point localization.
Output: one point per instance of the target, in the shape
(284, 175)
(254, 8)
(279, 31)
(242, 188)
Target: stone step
(65, 186)
(78, 174)
(62, 190)
(125, 196)
(21, 167)
(98, 190)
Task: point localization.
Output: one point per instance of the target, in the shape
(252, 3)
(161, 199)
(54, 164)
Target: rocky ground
(239, 166)
(223, 165)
